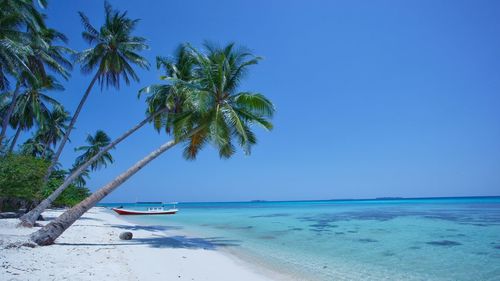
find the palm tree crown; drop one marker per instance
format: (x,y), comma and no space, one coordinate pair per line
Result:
(16,17)
(170,97)
(33,105)
(95,144)
(47,54)
(223,114)
(113,48)
(28,50)
(35,148)
(54,126)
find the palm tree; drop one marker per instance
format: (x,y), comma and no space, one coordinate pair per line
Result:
(4,104)
(32,106)
(113,50)
(21,121)
(47,135)
(34,147)
(95,144)
(44,54)
(214,112)
(53,128)
(161,100)
(80,180)
(16,17)
(179,68)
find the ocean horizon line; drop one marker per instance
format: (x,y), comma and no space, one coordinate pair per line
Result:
(319,200)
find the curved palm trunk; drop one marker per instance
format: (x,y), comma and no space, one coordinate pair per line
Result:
(49,233)
(16,136)
(6,118)
(70,127)
(44,151)
(29,219)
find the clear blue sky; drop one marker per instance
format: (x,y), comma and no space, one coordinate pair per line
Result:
(373,98)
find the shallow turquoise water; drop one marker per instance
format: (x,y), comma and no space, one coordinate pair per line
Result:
(410,239)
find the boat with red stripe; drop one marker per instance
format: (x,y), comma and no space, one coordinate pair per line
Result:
(149,211)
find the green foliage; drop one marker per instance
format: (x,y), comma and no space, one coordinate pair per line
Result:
(54,127)
(94,145)
(34,148)
(170,97)
(113,48)
(33,105)
(21,178)
(204,85)
(18,17)
(29,53)
(71,196)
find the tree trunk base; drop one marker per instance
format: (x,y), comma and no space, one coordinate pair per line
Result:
(48,234)
(26,224)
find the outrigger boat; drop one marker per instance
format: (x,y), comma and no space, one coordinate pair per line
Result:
(149,211)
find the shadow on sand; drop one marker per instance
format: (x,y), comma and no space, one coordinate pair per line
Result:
(177,241)
(152,228)
(162,240)
(51,218)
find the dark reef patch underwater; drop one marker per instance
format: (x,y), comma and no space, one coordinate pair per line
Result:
(444,243)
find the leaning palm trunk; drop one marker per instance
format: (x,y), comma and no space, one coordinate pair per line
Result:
(14,140)
(50,232)
(29,219)
(70,127)
(10,110)
(45,147)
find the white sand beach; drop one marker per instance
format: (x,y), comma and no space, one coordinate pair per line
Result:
(91,250)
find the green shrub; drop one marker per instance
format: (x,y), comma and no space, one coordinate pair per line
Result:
(21,177)
(71,196)
(21,180)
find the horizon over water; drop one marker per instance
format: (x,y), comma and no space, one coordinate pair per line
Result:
(446,238)
(309,200)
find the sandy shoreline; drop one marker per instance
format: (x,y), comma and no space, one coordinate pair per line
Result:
(91,250)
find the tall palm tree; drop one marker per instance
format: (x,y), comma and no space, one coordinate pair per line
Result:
(95,145)
(47,135)
(22,121)
(81,179)
(77,173)
(171,96)
(33,106)
(16,17)
(34,147)
(53,128)
(44,54)
(4,105)
(162,99)
(113,50)
(214,112)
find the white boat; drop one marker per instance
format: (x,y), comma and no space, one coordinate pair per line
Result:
(148,211)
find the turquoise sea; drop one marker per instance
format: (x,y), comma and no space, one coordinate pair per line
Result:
(396,239)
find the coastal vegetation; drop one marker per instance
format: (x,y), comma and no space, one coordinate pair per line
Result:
(113,50)
(197,103)
(208,108)
(21,178)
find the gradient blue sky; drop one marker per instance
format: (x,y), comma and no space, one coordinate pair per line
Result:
(373,98)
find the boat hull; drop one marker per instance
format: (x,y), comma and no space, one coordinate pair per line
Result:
(134,212)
